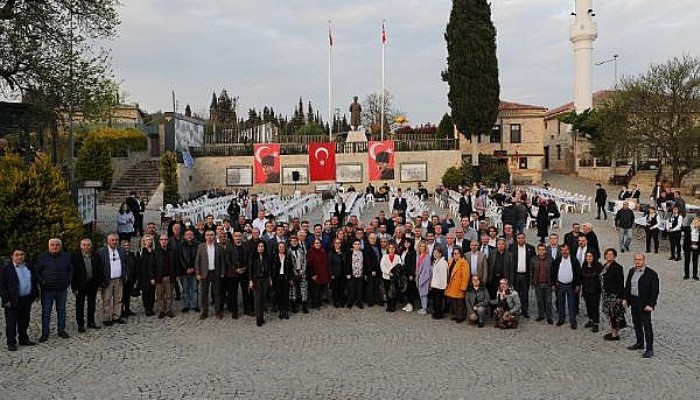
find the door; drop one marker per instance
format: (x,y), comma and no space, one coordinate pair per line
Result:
(546,157)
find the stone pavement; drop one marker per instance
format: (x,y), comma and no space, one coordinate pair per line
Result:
(353,354)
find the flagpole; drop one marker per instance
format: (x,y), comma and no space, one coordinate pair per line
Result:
(330,51)
(381,123)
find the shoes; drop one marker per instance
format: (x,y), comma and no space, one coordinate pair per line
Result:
(129,313)
(81,329)
(161,315)
(622,250)
(305,308)
(696,278)
(627,248)
(589,324)
(259,323)
(526,315)
(360,306)
(636,346)
(560,322)
(234,315)
(93,326)
(422,312)
(219,316)
(170,314)
(12,347)
(120,321)
(408,307)
(107,323)
(43,339)
(460,320)
(677,259)
(203,316)
(550,321)
(178,298)
(648,354)
(480,325)
(538,319)
(185,309)
(610,337)
(574,326)
(597,217)
(672,258)
(197,310)
(27,343)
(64,334)
(595,329)
(685,278)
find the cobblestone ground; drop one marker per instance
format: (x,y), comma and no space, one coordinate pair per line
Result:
(367,353)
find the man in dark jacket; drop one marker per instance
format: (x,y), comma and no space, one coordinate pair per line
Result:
(465,205)
(566,279)
(519,270)
(54,272)
(601,197)
(508,214)
(541,281)
(186,273)
(641,294)
(86,281)
(624,221)
(18,289)
(113,260)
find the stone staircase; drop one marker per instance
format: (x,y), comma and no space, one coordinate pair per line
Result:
(143,177)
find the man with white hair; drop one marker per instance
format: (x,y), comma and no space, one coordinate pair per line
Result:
(54,272)
(114,273)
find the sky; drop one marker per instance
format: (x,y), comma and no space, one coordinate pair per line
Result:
(271,52)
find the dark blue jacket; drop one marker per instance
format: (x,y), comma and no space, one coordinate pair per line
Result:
(54,271)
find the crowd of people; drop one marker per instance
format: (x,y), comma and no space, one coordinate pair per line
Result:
(249,264)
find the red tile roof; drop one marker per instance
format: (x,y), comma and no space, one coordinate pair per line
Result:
(510,106)
(597,98)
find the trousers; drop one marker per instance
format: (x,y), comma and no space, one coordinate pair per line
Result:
(17,320)
(641,319)
(112,300)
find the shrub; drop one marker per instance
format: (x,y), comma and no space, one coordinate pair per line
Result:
(452,178)
(168,175)
(119,141)
(94,162)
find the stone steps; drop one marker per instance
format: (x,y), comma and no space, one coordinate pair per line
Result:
(143,178)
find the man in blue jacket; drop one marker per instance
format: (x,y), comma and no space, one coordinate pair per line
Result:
(54,272)
(18,290)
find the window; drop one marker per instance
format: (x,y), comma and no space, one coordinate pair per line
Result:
(515,136)
(559,152)
(522,163)
(496,134)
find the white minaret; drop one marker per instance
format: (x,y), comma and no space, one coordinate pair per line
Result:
(582,33)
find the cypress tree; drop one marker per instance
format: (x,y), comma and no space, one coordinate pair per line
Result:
(472,69)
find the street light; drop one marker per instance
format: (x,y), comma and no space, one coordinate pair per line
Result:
(611,60)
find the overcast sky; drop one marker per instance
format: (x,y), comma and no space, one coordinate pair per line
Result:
(271,52)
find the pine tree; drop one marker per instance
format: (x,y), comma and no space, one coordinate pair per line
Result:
(446,128)
(35,206)
(94,162)
(168,175)
(472,69)
(310,114)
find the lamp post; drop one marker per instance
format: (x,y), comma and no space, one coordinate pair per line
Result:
(611,60)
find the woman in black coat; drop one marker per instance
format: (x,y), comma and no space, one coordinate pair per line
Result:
(146,263)
(336,265)
(591,289)
(613,277)
(282,272)
(542,220)
(409,263)
(258,276)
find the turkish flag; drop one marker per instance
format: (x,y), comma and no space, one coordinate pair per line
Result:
(381,160)
(322,161)
(267,163)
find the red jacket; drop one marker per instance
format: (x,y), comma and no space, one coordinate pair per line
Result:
(317,264)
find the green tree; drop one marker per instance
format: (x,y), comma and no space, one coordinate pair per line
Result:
(472,69)
(35,206)
(655,113)
(446,128)
(168,175)
(453,177)
(94,162)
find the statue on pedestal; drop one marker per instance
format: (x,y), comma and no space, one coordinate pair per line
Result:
(355,113)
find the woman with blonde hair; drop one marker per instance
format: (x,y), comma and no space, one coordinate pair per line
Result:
(146,261)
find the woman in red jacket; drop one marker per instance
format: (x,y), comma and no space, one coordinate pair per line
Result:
(318,273)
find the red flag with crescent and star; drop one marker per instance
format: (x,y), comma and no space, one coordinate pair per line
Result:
(322,161)
(266,162)
(381,160)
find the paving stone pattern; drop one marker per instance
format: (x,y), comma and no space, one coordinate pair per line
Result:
(356,354)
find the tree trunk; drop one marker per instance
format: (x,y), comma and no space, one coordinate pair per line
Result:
(475,151)
(676,174)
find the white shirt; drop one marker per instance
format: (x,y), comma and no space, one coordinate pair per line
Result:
(115,264)
(281,265)
(566,271)
(474,261)
(211,253)
(439,279)
(260,224)
(581,254)
(522,262)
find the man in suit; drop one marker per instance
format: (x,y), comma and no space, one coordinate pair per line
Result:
(499,260)
(571,238)
(601,197)
(18,289)
(541,281)
(400,203)
(113,261)
(519,270)
(566,279)
(86,280)
(208,269)
(478,262)
(465,205)
(553,250)
(641,294)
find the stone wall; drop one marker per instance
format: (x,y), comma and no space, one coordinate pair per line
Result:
(210,172)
